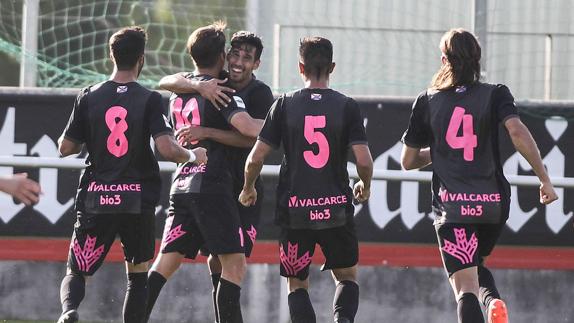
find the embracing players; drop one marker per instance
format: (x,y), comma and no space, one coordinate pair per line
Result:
(243,58)
(454,125)
(316,126)
(120,187)
(203,210)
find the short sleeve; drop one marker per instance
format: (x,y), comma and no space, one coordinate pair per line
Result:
(503,103)
(157,119)
(418,134)
(76,127)
(236,105)
(260,100)
(271,131)
(355,128)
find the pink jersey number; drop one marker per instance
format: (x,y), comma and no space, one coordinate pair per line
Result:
(320,159)
(181,113)
(116,122)
(468,141)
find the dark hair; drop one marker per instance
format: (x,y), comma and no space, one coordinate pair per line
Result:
(316,53)
(127,46)
(248,38)
(206,43)
(462,52)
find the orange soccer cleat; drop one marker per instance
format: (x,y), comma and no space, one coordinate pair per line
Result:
(497,312)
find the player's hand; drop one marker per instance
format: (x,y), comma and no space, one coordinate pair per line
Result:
(200,155)
(23,189)
(188,134)
(248,196)
(213,91)
(547,193)
(360,192)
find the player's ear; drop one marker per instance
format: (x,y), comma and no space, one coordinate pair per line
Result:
(301,68)
(332,68)
(256,64)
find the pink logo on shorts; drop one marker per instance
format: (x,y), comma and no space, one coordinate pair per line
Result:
(290,262)
(464,249)
(252,233)
(172,235)
(87,257)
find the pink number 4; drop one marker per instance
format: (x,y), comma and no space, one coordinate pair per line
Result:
(468,141)
(320,159)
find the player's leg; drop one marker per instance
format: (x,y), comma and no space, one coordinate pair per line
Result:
(458,244)
(233,267)
(218,221)
(138,240)
(92,238)
(496,309)
(341,249)
(181,238)
(296,248)
(214,266)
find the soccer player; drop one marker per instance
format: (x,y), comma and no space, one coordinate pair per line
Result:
(21,187)
(120,187)
(203,209)
(454,125)
(316,126)
(243,58)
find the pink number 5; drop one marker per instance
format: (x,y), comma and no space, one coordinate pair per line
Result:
(468,140)
(315,137)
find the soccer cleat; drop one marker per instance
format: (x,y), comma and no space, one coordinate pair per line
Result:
(70,316)
(497,312)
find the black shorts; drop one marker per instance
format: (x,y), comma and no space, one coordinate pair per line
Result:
(249,217)
(195,220)
(465,245)
(297,246)
(94,234)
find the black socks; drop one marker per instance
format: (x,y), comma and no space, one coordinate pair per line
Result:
(346,302)
(136,298)
(300,307)
(487,289)
(72,292)
(228,304)
(155,282)
(469,309)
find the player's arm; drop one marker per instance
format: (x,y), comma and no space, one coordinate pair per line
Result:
(246,125)
(67,147)
(364,165)
(416,139)
(526,146)
(253,166)
(25,190)
(414,158)
(172,151)
(226,137)
(211,90)
(74,135)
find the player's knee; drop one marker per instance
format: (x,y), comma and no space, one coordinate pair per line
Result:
(137,268)
(294,283)
(341,274)
(167,263)
(214,264)
(464,281)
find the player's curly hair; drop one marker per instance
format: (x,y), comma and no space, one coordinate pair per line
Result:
(248,38)
(462,67)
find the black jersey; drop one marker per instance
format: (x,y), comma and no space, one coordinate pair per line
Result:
(461,127)
(316,128)
(215,176)
(258,99)
(116,121)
